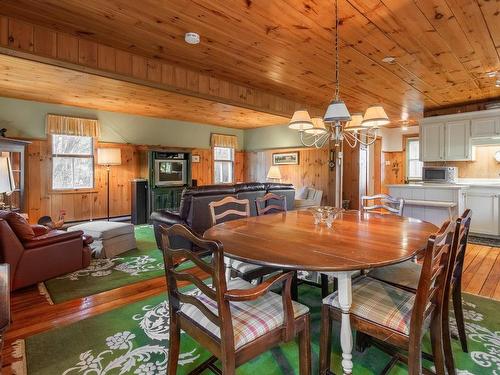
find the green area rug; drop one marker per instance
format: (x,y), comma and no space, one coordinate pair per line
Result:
(143,263)
(134,340)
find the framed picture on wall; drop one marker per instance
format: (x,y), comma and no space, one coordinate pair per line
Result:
(286,158)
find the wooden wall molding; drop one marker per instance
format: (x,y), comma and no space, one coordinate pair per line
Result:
(29,41)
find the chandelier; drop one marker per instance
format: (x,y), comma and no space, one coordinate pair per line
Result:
(338,124)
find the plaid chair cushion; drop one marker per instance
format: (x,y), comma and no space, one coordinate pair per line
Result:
(379,302)
(405,274)
(251,319)
(240,266)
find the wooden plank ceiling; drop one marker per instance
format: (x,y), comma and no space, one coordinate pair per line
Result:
(25,79)
(442,49)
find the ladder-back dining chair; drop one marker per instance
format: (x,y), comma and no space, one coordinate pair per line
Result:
(230,208)
(270,203)
(406,275)
(394,315)
(236,321)
(381,203)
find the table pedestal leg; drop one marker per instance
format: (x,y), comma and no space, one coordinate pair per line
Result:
(345,301)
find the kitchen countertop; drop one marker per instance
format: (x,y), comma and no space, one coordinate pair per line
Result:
(461,184)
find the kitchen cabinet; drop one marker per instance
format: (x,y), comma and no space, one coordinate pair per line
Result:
(485,127)
(450,137)
(457,140)
(484,203)
(442,141)
(432,142)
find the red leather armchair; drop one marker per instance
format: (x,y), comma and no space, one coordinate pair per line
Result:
(47,254)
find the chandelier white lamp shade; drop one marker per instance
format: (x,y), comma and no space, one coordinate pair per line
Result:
(355,123)
(375,116)
(318,128)
(301,121)
(337,111)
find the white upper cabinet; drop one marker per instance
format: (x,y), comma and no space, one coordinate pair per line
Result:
(457,140)
(432,142)
(485,127)
(449,137)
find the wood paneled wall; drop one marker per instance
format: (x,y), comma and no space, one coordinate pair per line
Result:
(84,205)
(484,164)
(312,170)
(41,200)
(393,169)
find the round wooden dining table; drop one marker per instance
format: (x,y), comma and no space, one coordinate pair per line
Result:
(356,241)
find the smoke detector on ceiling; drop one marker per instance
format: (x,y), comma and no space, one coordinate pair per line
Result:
(192,38)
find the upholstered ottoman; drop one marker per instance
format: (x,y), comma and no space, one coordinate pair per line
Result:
(110,238)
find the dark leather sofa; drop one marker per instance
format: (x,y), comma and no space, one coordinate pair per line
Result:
(194,211)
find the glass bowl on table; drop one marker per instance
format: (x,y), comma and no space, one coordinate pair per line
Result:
(325,214)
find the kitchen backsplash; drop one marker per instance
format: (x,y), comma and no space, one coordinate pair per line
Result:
(484,164)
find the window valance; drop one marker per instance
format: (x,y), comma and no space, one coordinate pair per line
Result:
(223,140)
(56,124)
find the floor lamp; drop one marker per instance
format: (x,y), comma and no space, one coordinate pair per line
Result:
(109,157)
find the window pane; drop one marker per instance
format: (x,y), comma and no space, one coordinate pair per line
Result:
(83,170)
(72,173)
(223,172)
(71,145)
(413,149)
(223,153)
(415,169)
(62,173)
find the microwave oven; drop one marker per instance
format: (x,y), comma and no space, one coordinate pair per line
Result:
(170,172)
(448,175)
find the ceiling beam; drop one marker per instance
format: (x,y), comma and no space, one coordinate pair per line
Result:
(36,43)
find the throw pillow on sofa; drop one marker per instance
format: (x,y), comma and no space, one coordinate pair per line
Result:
(19,225)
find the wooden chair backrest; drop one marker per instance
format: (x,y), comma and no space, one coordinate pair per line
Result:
(460,245)
(433,277)
(382,202)
(215,269)
(270,203)
(222,216)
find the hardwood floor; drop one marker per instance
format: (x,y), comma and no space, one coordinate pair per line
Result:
(31,313)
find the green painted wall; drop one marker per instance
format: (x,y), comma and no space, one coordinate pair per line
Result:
(26,119)
(271,137)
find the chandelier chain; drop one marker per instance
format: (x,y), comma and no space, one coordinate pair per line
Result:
(337,54)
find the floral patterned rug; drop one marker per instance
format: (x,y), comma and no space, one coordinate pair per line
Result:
(134,340)
(143,263)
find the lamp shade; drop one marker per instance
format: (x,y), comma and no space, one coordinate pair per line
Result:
(7,184)
(109,156)
(318,126)
(375,116)
(355,123)
(300,120)
(274,173)
(337,111)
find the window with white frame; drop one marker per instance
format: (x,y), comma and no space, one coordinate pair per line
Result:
(413,163)
(72,162)
(223,165)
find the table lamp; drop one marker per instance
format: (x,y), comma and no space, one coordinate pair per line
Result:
(7,184)
(109,157)
(274,174)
